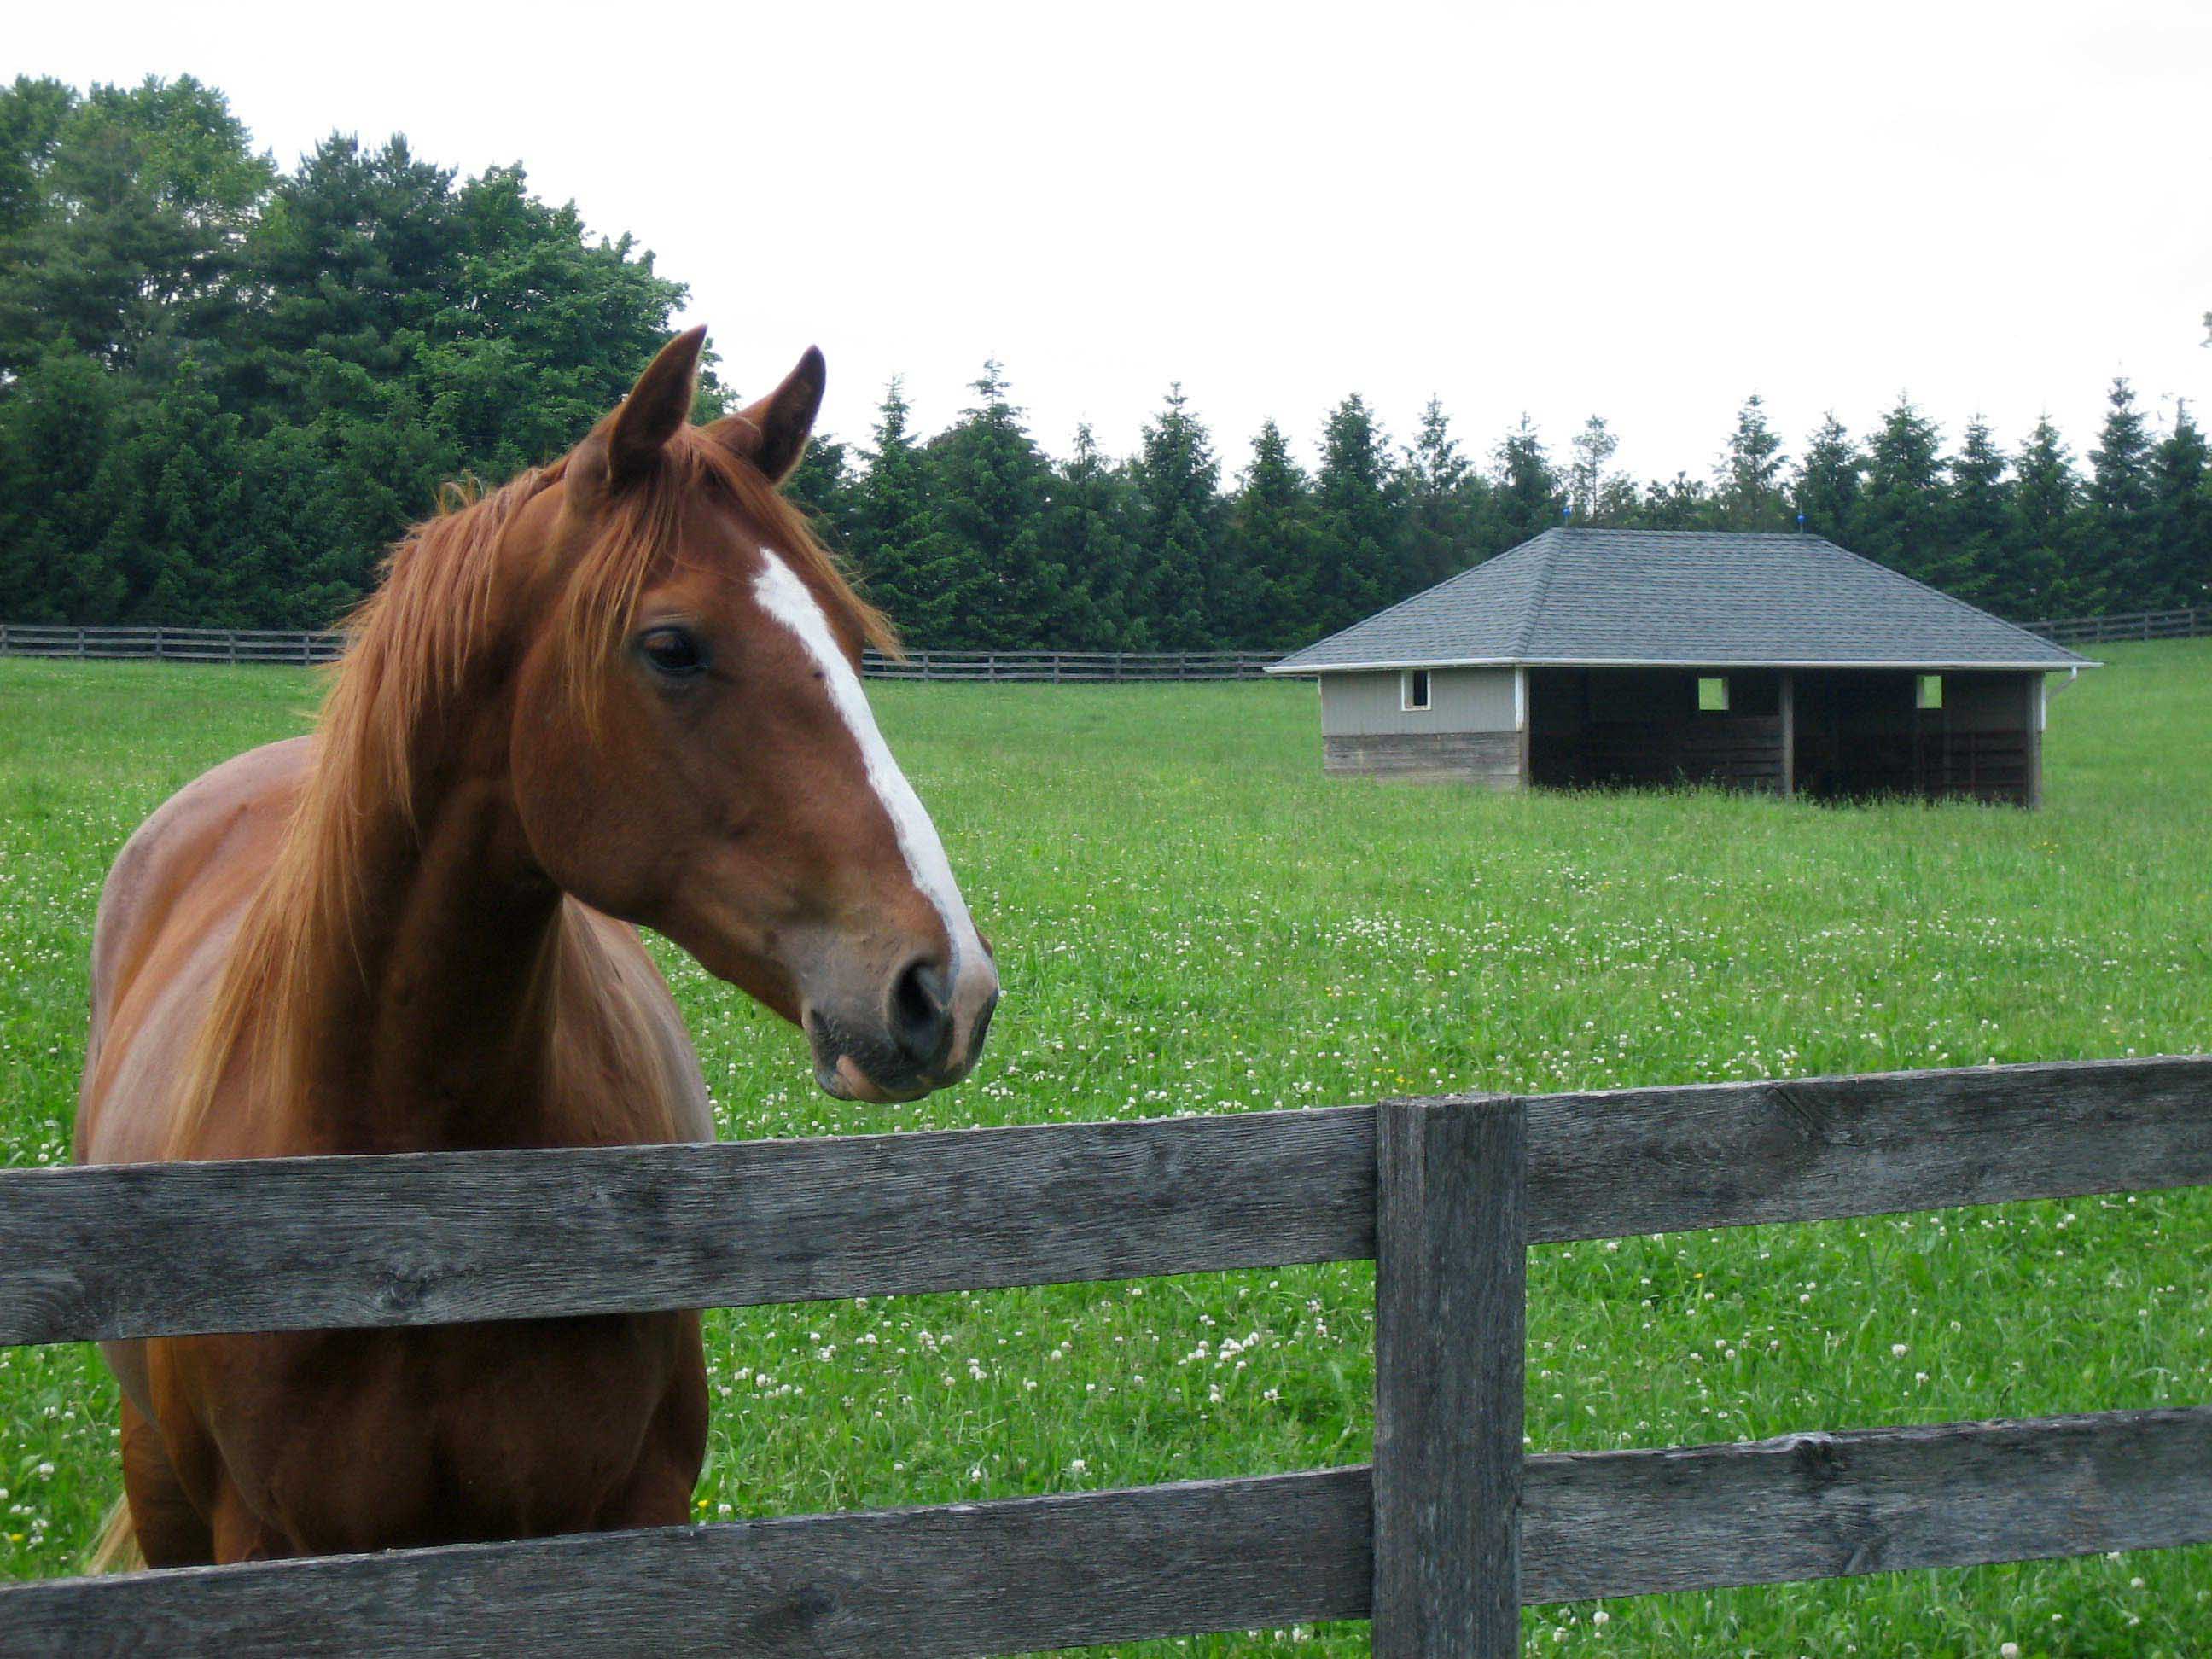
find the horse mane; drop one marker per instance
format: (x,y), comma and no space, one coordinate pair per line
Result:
(416,647)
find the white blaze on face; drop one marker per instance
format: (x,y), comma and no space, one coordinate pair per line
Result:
(786,598)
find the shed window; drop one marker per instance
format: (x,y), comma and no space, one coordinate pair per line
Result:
(1712,695)
(1931,693)
(1413,689)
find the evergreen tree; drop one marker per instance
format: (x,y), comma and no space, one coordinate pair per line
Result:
(1681,502)
(1445,499)
(32,115)
(178,478)
(1180,519)
(823,487)
(1748,481)
(59,421)
(1590,487)
(1976,520)
(1360,518)
(1826,491)
(1529,499)
(357,254)
(2182,507)
(2046,516)
(2122,540)
(911,567)
(992,484)
(1091,530)
(1900,512)
(1274,536)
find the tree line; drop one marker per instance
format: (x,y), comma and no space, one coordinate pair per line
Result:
(225,389)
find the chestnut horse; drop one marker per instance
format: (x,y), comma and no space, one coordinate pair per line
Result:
(620,691)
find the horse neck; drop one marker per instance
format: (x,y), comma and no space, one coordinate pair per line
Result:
(428,994)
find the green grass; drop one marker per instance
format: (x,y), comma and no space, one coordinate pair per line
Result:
(1190,918)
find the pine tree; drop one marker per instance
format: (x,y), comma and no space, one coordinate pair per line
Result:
(1444,501)
(1681,502)
(2123,531)
(1360,518)
(823,487)
(991,485)
(1899,518)
(1091,529)
(2182,507)
(1748,480)
(1529,498)
(1598,496)
(1977,516)
(1177,482)
(2045,520)
(1827,490)
(59,422)
(1272,532)
(910,567)
(179,479)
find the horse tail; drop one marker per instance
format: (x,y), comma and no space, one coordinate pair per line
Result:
(118,1549)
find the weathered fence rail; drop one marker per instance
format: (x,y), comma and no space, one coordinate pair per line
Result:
(2183,625)
(1440,1542)
(267,645)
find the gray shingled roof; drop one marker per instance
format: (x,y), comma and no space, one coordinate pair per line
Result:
(1690,597)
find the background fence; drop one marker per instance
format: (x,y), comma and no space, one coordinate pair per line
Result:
(276,645)
(271,644)
(2131,625)
(1440,1540)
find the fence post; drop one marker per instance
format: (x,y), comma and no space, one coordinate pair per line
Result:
(1450,1273)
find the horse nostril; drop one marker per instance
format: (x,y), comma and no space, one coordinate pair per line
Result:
(921,1024)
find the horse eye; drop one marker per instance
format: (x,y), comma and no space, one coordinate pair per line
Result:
(673,652)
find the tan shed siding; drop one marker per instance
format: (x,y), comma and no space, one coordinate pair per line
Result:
(1460,700)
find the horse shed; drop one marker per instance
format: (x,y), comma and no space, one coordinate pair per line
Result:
(1613,658)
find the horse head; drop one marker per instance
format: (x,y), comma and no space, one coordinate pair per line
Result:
(692,749)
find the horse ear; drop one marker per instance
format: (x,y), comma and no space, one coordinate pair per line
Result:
(625,445)
(772,433)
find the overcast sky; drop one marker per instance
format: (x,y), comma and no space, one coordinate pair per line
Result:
(1642,210)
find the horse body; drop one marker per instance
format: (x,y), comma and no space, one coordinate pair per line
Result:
(323,1442)
(416,931)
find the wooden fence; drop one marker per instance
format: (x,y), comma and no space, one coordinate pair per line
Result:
(269,645)
(2131,625)
(273,645)
(1440,1540)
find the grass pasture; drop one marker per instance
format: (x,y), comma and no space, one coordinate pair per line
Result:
(1190,918)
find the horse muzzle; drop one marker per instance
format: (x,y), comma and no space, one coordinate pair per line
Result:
(924,1031)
